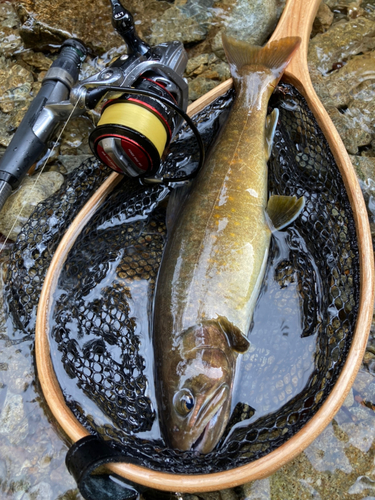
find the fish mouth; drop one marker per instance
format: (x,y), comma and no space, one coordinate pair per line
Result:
(211,432)
(199,444)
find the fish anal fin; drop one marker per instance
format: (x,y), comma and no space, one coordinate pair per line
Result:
(234,335)
(271,124)
(283,210)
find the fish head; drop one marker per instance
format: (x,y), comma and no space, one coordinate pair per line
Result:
(201,401)
(197,398)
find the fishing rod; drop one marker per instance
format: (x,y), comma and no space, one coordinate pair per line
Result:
(143,95)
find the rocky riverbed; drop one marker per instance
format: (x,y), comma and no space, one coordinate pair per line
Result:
(340,463)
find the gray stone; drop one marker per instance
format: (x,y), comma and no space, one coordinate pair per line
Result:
(13,421)
(175,25)
(200,10)
(252,21)
(23,201)
(71,162)
(349,400)
(41,491)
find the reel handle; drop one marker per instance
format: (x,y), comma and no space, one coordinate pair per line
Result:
(123,22)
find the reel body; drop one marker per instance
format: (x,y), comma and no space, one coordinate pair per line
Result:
(135,130)
(145,99)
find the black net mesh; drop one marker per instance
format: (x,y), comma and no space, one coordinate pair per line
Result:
(101,345)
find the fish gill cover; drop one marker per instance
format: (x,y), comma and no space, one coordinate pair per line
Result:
(100,345)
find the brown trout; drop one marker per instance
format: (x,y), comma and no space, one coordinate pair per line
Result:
(214,261)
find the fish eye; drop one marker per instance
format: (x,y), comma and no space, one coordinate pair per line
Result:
(184,402)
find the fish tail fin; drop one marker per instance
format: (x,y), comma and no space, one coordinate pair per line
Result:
(274,56)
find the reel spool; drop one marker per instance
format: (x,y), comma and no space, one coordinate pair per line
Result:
(134,130)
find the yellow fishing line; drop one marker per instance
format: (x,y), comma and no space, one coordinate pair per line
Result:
(137,118)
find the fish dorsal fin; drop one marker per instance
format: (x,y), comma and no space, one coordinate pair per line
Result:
(275,55)
(234,335)
(176,199)
(283,210)
(271,124)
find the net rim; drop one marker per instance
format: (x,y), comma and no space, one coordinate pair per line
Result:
(268,464)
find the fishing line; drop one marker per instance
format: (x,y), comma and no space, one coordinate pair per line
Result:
(39,174)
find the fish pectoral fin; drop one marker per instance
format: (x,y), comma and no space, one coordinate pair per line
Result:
(271,123)
(234,335)
(283,210)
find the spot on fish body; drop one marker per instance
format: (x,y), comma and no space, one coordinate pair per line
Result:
(252,192)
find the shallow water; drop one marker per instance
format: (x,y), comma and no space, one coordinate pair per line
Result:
(340,462)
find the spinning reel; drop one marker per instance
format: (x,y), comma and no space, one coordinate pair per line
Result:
(144,98)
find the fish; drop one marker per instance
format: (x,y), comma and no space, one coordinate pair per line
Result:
(215,257)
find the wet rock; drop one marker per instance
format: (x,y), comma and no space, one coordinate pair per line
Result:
(349,401)
(200,86)
(360,436)
(217,45)
(36,59)
(196,65)
(21,374)
(10,40)
(13,421)
(340,42)
(257,490)
(347,91)
(209,72)
(328,452)
(323,20)
(176,25)
(46,23)
(71,162)
(25,199)
(200,10)
(74,140)
(41,491)
(352,82)
(362,485)
(252,21)
(16,87)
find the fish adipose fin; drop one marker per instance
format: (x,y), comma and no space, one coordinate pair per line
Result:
(283,210)
(234,335)
(274,56)
(271,123)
